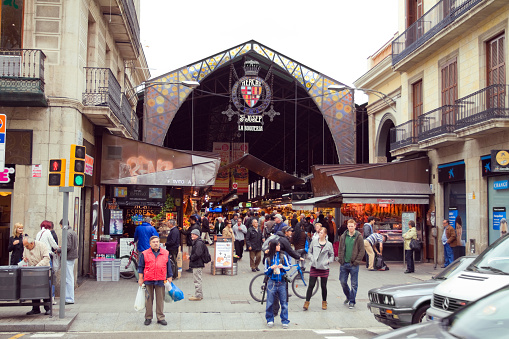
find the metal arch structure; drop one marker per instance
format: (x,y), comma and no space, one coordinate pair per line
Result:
(162,102)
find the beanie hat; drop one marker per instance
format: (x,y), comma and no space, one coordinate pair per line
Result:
(195,231)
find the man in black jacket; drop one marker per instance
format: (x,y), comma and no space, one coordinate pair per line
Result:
(189,241)
(205,230)
(254,241)
(173,242)
(196,264)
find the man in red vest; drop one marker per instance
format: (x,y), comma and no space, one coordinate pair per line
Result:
(154,267)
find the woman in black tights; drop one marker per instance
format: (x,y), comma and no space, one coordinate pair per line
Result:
(321,254)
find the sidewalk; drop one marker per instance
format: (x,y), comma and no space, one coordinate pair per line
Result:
(227,305)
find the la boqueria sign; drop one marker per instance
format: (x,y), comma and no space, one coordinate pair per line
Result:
(131,162)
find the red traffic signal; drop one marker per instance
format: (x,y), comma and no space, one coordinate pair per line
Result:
(56,176)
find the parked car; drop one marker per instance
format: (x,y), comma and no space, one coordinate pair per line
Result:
(484,318)
(403,305)
(488,272)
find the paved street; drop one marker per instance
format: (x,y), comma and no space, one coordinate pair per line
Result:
(107,307)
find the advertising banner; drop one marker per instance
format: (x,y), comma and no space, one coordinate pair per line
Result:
(223,253)
(453,214)
(240,174)
(222,180)
(499,213)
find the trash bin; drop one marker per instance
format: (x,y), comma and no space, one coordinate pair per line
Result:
(34,282)
(9,283)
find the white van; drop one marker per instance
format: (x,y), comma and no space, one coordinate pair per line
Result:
(487,273)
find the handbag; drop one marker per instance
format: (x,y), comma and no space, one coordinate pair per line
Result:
(415,245)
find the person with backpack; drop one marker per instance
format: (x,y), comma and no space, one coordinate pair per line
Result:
(199,252)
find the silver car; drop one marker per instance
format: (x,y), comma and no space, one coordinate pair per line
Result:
(403,305)
(486,318)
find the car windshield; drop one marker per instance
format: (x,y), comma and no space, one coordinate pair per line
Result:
(486,318)
(456,266)
(494,260)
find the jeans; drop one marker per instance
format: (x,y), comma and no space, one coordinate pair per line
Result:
(345,270)
(448,254)
(69,282)
(409,257)
(274,287)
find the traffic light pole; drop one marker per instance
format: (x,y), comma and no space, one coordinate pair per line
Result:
(63,266)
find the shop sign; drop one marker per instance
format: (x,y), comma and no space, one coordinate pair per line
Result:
(385,201)
(486,165)
(453,214)
(451,172)
(8,176)
(248,204)
(89,165)
(36,171)
(501,185)
(499,213)
(500,160)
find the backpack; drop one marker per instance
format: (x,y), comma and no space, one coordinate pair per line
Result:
(206,258)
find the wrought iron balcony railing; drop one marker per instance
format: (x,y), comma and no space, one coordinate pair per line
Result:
(132,19)
(428,25)
(437,122)
(22,74)
(103,89)
(488,103)
(404,135)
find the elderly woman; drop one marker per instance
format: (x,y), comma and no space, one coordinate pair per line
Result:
(45,236)
(409,254)
(228,231)
(16,244)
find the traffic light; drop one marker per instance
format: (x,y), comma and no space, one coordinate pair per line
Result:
(56,176)
(77,166)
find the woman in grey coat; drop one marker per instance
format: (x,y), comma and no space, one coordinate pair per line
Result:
(321,254)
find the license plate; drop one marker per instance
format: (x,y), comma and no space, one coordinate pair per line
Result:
(375,310)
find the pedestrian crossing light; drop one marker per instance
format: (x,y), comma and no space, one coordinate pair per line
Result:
(56,176)
(77,166)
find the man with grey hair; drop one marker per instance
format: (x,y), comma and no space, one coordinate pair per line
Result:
(143,233)
(36,254)
(173,242)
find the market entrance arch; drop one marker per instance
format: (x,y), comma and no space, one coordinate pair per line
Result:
(314,126)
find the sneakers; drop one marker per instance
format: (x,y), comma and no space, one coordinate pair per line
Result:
(270,324)
(195,298)
(285,326)
(351,305)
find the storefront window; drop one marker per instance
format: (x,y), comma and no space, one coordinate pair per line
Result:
(455,205)
(498,205)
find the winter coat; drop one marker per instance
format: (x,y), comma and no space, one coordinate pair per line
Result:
(357,251)
(254,239)
(187,233)
(218,227)
(408,236)
(299,236)
(367,230)
(17,250)
(286,247)
(205,225)
(199,248)
(228,233)
(173,240)
(450,233)
(267,230)
(320,258)
(142,235)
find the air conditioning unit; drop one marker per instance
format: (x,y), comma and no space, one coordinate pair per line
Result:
(10,65)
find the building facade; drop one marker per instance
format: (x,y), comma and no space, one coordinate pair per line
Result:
(69,69)
(450,58)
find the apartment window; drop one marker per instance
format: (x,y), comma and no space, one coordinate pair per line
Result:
(449,78)
(417,104)
(414,11)
(11,24)
(496,71)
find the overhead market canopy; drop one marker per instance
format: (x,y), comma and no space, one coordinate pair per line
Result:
(402,182)
(131,162)
(263,169)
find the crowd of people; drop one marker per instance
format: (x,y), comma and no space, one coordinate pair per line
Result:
(43,250)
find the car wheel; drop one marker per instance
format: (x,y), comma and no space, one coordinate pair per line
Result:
(420,314)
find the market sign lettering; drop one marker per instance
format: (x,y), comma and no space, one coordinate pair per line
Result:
(501,185)
(385,201)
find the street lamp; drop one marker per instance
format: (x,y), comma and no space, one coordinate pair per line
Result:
(383,96)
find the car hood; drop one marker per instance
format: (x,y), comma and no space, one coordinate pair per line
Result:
(470,285)
(408,289)
(432,329)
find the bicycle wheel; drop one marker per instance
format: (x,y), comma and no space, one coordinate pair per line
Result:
(130,273)
(300,285)
(257,287)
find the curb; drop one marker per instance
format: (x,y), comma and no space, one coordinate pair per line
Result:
(37,324)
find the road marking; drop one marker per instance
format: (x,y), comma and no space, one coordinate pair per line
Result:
(19,335)
(343,337)
(328,331)
(47,335)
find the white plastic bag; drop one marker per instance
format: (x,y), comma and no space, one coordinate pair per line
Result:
(167,289)
(139,303)
(56,262)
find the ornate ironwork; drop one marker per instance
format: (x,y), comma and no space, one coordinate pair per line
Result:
(271,113)
(403,135)
(229,113)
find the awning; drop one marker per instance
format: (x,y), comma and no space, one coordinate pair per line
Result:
(374,191)
(263,169)
(131,162)
(311,203)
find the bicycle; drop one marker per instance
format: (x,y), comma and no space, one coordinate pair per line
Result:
(132,264)
(299,283)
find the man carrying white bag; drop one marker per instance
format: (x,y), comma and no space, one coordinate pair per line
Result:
(154,269)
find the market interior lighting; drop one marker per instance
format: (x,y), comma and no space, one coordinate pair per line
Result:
(383,96)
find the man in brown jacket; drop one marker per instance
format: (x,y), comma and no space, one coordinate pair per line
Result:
(450,233)
(351,251)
